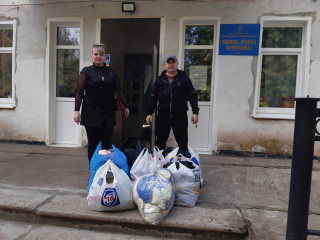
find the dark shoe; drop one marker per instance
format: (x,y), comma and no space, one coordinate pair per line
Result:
(187,154)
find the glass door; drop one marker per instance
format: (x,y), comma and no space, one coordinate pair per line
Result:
(67,72)
(198,50)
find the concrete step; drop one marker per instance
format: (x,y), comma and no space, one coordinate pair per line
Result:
(61,208)
(25,231)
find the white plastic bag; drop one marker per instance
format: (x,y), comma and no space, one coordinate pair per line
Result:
(186,177)
(171,155)
(157,160)
(111,189)
(154,195)
(140,166)
(194,158)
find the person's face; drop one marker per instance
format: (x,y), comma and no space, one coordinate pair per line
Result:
(98,57)
(171,65)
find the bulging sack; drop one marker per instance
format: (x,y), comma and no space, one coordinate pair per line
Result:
(154,195)
(194,158)
(186,175)
(111,189)
(97,160)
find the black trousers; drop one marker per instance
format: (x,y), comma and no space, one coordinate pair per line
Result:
(179,124)
(96,135)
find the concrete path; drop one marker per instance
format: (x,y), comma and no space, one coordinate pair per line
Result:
(44,189)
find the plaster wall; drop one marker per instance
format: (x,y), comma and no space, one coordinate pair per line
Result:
(234,86)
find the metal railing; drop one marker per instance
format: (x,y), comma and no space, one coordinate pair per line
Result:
(301,171)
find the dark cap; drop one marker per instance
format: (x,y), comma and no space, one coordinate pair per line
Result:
(171,56)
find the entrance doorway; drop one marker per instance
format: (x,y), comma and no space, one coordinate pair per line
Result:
(64,60)
(133,47)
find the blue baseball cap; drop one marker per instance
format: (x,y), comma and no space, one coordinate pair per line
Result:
(171,56)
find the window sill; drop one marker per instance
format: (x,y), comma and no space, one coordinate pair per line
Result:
(4,103)
(286,114)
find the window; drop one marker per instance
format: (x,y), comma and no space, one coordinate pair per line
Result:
(7,64)
(198,48)
(68,56)
(282,66)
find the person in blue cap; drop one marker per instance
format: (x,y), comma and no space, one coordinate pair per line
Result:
(170,95)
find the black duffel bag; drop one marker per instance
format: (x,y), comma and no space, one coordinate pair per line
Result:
(132,153)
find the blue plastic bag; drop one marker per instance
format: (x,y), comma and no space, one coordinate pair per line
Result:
(97,160)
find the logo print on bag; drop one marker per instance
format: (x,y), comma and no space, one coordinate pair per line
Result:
(110,198)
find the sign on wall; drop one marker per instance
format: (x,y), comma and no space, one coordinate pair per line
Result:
(108,59)
(239,39)
(198,75)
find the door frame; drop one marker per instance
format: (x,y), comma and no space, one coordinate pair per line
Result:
(52,24)
(160,50)
(213,129)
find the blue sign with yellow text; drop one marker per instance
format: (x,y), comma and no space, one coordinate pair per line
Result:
(239,39)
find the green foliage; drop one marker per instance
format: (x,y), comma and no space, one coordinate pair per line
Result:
(5,75)
(67,72)
(284,37)
(67,61)
(200,57)
(6,36)
(278,79)
(68,36)
(279,72)
(199,35)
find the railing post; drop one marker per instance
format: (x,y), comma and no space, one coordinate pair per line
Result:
(301,171)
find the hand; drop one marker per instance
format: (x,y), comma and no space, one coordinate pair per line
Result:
(149,119)
(76,117)
(126,113)
(194,118)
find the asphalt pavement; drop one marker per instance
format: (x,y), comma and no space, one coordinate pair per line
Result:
(43,189)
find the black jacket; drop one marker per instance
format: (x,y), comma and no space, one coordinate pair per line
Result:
(95,90)
(174,97)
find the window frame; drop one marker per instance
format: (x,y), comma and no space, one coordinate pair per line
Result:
(65,47)
(200,22)
(10,102)
(302,77)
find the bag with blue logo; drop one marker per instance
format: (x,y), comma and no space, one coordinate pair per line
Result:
(111,189)
(192,156)
(97,160)
(154,195)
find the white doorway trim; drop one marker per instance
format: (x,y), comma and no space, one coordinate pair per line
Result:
(50,65)
(98,30)
(212,144)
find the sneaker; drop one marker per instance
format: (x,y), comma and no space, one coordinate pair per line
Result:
(187,154)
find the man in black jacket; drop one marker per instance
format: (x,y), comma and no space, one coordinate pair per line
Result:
(170,95)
